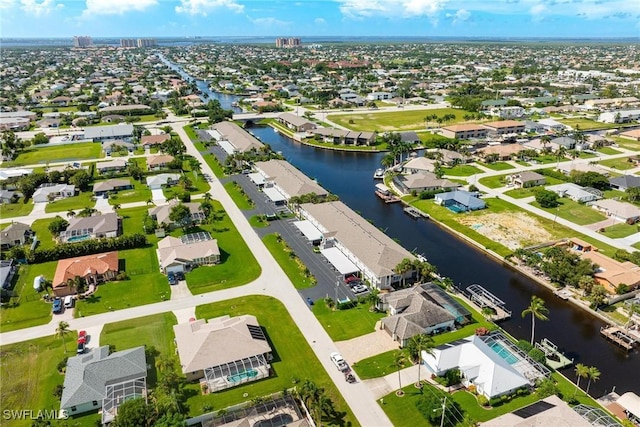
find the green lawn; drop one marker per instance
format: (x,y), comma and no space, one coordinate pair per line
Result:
(626,143)
(41,228)
(583,124)
(393,121)
(238,196)
(293,362)
(293,267)
(11,210)
(622,163)
(198,186)
(521,193)
(575,212)
(145,285)
(498,166)
(132,221)
(495,181)
(346,324)
(342,147)
(379,365)
(620,230)
(81,201)
(62,153)
(215,166)
(139,193)
(608,150)
(29,375)
(27,308)
(238,265)
(461,170)
(258,221)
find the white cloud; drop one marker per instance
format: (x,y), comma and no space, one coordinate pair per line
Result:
(319,21)
(116,7)
(6,4)
(37,8)
(391,8)
(202,7)
(270,22)
(460,16)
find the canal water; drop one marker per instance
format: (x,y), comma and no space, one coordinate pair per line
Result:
(350,176)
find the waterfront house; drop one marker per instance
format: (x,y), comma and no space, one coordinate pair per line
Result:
(423,181)
(464,131)
(296,123)
(419,165)
(505,127)
(233,139)
(283,181)
(459,201)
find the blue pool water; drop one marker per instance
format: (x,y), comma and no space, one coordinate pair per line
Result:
(242,375)
(503,352)
(456,209)
(78,238)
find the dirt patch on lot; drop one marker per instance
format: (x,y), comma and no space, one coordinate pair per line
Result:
(510,229)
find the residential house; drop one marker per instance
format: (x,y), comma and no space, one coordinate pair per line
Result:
(94,269)
(48,192)
(153,140)
(155,163)
(423,309)
(552,125)
(502,152)
(564,141)
(575,192)
(156,182)
(102,381)
(352,244)
(410,137)
(98,226)
(296,123)
(464,131)
(223,352)
(9,196)
(15,234)
(233,139)
(115,165)
(549,411)
(105,133)
(419,165)
(186,252)
(359,138)
(619,211)
(507,112)
(8,269)
(619,116)
(526,179)
(283,181)
(114,185)
(161,213)
(331,135)
(624,182)
(379,96)
(452,158)
(459,201)
(117,145)
(423,181)
(505,127)
(568,167)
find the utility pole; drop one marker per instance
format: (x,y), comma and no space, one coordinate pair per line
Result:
(444,408)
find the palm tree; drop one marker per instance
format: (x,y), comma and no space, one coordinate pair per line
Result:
(537,310)
(373,298)
(61,331)
(71,213)
(593,375)
(116,207)
(417,344)
(403,267)
(398,363)
(582,371)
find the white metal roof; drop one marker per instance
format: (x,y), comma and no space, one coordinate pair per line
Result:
(309,230)
(339,260)
(226,146)
(631,402)
(257,178)
(273,194)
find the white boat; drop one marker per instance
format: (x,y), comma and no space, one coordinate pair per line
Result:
(379,174)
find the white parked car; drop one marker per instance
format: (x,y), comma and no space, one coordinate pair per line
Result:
(359,289)
(340,363)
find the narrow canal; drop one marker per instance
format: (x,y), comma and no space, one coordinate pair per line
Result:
(350,176)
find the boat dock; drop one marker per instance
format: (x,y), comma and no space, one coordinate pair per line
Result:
(563,294)
(415,213)
(618,336)
(555,358)
(486,299)
(385,194)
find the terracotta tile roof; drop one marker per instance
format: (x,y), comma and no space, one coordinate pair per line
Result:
(84,266)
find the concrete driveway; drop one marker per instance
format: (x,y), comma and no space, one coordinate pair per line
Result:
(158,197)
(364,346)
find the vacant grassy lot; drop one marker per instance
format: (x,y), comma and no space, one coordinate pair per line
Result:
(626,143)
(295,270)
(12,210)
(238,196)
(62,153)
(608,150)
(139,193)
(41,228)
(495,181)
(622,163)
(575,212)
(346,324)
(583,124)
(393,121)
(293,362)
(27,308)
(498,166)
(620,230)
(461,170)
(81,201)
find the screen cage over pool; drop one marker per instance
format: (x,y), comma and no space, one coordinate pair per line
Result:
(231,374)
(517,358)
(119,393)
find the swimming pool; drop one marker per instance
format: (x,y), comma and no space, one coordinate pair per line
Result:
(503,352)
(74,239)
(456,208)
(251,373)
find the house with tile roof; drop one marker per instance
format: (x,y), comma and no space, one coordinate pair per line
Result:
(459,201)
(98,226)
(15,234)
(186,252)
(424,181)
(98,380)
(94,269)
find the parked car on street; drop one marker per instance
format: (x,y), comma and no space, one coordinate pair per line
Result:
(309,301)
(340,363)
(81,348)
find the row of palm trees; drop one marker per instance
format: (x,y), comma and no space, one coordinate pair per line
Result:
(424,269)
(591,373)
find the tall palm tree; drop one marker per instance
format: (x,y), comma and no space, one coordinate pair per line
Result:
(61,331)
(417,344)
(593,375)
(71,213)
(537,310)
(403,267)
(398,363)
(582,371)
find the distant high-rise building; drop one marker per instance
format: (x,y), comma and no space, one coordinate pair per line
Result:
(137,42)
(288,42)
(82,41)
(128,43)
(146,42)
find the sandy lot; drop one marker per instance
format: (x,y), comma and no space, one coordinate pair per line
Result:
(511,229)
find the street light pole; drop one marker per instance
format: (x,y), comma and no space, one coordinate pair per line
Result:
(444,407)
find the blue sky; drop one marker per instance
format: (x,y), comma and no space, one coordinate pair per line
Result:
(466,18)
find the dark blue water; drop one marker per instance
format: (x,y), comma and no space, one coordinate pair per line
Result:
(349,175)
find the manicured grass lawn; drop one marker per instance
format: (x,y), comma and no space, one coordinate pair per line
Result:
(145,285)
(139,193)
(238,265)
(258,221)
(498,166)
(608,150)
(11,210)
(496,181)
(429,139)
(461,170)
(81,201)
(198,185)
(346,324)
(293,267)
(27,308)
(379,365)
(575,212)
(151,331)
(29,375)
(620,230)
(390,121)
(546,159)
(293,362)
(626,143)
(41,228)
(521,193)
(62,153)
(343,147)
(132,221)
(586,124)
(622,163)
(238,196)
(215,166)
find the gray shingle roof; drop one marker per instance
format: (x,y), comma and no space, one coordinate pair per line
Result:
(626,181)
